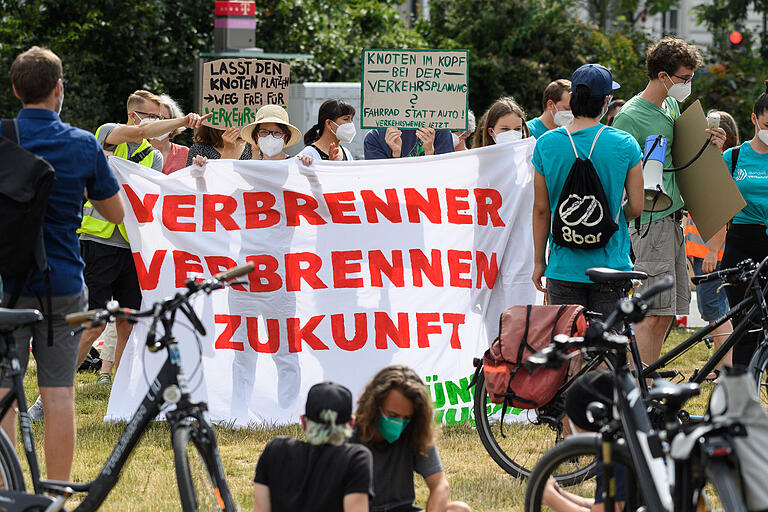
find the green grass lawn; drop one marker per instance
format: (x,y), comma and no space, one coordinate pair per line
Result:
(148,481)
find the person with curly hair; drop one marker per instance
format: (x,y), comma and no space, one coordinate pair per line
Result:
(394,420)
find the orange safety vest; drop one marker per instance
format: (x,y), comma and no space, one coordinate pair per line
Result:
(694,244)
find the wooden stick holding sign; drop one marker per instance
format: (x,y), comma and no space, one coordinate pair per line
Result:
(411,89)
(234,89)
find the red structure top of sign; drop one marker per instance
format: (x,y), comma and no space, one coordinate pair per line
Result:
(231,8)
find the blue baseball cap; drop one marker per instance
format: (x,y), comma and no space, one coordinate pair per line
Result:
(596,77)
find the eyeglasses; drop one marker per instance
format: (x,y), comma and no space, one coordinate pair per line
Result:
(63,84)
(151,115)
(684,79)
(275,133)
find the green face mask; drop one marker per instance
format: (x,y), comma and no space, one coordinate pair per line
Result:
(391,428)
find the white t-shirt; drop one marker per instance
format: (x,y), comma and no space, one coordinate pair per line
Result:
(314,153)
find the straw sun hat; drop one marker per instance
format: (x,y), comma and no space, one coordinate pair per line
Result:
(271,114)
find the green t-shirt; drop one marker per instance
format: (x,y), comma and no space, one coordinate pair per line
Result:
(536,127)
(641,118)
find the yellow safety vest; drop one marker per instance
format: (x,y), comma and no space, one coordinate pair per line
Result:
(93,223)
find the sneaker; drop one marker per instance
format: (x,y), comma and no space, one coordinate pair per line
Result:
(104,378)
(36,411)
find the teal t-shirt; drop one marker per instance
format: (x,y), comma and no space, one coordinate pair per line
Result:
(641,118)
(615,153)
(751,176)
(536,127)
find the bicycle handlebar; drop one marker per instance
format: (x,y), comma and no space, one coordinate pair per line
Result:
(598,334)
(101,316)
(729,275)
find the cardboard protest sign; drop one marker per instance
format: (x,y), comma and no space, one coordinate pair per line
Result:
(234,89)
(415,89)
(711,196)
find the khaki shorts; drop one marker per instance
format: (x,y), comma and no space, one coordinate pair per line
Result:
(661,253)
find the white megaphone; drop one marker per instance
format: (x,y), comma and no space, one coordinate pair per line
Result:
(656,198)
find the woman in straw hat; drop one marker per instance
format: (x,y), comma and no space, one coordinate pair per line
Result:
(269,134)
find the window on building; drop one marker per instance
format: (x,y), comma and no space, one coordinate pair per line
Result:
(669,22)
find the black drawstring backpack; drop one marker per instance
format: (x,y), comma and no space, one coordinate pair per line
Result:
(582,217)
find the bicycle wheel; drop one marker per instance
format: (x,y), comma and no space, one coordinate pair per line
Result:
(11,475)
(517,443)
(199,473)
(576,450)
(759,368)
(723,493)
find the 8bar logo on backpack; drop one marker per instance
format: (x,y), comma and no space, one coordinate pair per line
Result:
(581,219)
(578,211)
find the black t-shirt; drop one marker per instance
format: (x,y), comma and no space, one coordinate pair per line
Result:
(393,468)
(307,477)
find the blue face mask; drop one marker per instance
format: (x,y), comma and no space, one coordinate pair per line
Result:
(391,428)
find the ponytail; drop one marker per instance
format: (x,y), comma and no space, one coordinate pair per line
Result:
(312,135)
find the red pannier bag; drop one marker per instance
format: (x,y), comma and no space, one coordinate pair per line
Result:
(524,330)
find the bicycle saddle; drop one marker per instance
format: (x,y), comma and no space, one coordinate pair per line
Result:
(13,318)
(674,394)
(608,275)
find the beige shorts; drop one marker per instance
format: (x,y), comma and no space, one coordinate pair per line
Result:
(661,253)
(109,336)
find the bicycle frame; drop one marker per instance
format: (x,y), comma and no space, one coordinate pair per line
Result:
(170,375)
(756,304)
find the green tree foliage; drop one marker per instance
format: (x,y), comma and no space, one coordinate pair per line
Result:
(110,48)
(517,47)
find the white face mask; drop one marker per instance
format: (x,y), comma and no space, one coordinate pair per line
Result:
(508,136)
(271,145)
(763,136)
(148,120)
(679,91)
(562,117)
(345,132)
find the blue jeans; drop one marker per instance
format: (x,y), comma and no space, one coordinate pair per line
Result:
(712,304)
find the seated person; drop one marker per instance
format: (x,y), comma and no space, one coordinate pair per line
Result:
(322,474)
(394,420)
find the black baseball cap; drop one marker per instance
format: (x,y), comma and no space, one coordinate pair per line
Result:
(596,77)
(331,396)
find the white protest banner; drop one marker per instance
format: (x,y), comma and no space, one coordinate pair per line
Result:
(415,89)
(234,89)
(359,265)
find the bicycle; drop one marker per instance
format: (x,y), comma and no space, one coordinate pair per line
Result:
(197,462)
(543,428)
(702,455)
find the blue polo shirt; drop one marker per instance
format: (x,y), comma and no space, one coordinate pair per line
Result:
(79,164)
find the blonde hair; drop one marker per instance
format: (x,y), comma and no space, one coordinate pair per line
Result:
(174,110)
(327,433)
(138,98)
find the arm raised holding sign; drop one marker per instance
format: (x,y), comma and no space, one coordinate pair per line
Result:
(149,125)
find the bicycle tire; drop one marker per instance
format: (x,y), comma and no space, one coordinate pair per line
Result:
(11,474)
(199,473)
(524,442)
(729,493)
(575,447)
(758,366)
